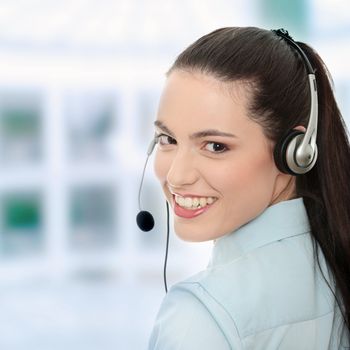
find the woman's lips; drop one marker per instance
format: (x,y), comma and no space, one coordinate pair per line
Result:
(189,213)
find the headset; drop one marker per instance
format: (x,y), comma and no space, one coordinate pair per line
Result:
(295,153)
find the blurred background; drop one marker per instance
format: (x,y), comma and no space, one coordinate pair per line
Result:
(79,86)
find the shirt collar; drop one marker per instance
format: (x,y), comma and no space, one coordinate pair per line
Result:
(278,221)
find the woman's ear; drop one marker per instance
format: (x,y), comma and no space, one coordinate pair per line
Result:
(300,127)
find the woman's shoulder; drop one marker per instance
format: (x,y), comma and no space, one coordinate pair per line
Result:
(260,295)
(264,289)
(185,322)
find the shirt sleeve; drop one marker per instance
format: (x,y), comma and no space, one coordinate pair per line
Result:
(184,323)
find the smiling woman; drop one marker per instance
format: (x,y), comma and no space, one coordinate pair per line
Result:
(240,125)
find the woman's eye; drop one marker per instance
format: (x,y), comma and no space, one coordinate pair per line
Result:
(166,140)
(216,147)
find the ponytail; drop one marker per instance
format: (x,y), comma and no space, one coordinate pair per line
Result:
(326,188)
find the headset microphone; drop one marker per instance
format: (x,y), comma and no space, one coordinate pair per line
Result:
(144,219)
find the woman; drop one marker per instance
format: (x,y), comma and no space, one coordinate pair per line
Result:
(279,274)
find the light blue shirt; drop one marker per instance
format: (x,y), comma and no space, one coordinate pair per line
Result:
(261,290)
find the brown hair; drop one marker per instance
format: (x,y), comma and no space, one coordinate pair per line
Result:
(280,100)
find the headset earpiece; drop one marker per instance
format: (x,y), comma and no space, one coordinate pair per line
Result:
(281,151)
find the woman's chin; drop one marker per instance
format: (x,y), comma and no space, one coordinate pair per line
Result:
(188,234)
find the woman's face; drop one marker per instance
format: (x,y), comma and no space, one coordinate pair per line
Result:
(214,164)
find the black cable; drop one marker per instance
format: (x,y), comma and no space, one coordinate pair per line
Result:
(167,245)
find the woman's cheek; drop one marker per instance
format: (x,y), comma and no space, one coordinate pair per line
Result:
(161,166)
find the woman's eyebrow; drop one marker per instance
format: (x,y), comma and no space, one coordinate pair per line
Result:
(210,132)
(162,126)
(196,135)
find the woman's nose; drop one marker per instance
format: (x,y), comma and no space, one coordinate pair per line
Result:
(182,170)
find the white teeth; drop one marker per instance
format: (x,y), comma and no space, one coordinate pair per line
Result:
(203,202)
(180,200)
(210,200)
(188,202)
(193,203)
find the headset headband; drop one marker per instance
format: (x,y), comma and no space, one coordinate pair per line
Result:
(285,35)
